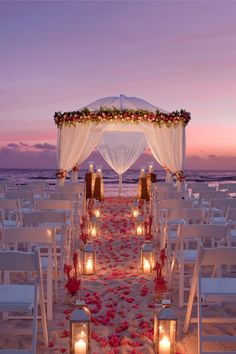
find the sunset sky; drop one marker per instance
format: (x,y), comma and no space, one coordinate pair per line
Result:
(63,55)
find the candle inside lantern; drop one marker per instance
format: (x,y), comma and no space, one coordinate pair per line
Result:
(80,347)
(139,230)
(135,213)
(99,171)
(142,172)
(164,346)
(89,266)
(146,266)
(90,167)
(93,231)
(97,213)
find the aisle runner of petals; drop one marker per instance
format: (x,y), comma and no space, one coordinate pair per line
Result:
(119,296)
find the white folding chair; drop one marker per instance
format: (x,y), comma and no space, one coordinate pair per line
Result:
(44,238)
(212,289)
(58,221)
(11,212)
(176,217)
(26,198)
(161,212)
(22,297)
(59,205)
(218,208)
(188,241)
(205,197)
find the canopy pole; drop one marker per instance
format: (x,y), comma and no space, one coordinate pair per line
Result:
(120,184)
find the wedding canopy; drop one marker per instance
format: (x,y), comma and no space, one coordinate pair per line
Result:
(120,128)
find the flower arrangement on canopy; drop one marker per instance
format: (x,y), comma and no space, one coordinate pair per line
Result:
(122,116)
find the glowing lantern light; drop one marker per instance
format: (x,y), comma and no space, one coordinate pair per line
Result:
(147,257)
(165,330)
(80,329)
(89,259)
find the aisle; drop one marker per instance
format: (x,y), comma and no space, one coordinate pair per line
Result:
(118,295)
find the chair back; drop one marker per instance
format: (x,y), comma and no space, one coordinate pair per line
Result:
(20,261)
(71,188)
(38,218)
(189,215)
(163,195)
(11,212)
(175,203)
(39,235)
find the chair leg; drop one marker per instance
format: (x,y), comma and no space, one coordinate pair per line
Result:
(199,306)
(43,314)
(35,320)
(181,284)
(190,304)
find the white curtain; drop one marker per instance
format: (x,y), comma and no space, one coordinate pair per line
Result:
(167,146)
(75,144)
(121,149)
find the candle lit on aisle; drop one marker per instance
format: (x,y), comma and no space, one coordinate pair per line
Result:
(146,266)
(80,347)
(164,346)
(90,167)
(94,232)
(89,266)
(135,213)
(139,230)
(97,213)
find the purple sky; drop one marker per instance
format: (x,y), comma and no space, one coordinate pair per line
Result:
(63,55)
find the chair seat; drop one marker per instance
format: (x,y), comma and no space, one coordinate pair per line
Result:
(176,222)
(190,255)
(10,223)
(233,233)
(218,286)
(16,298)
(217,220)
(172,234)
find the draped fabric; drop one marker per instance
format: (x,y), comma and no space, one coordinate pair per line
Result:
(167,146)
(120,145)
(75,144)
(121,149)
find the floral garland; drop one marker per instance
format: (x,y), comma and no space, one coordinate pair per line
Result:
(60,174)
(180,176)
(114,115)
(75,168)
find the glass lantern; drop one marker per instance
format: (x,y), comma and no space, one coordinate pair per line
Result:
(89,259)
(165,330)
(147,257)
(93,226)
(140,226)
(96,210)
(80,329)
(135,209)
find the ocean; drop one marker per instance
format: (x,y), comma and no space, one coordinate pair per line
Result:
(130,178)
